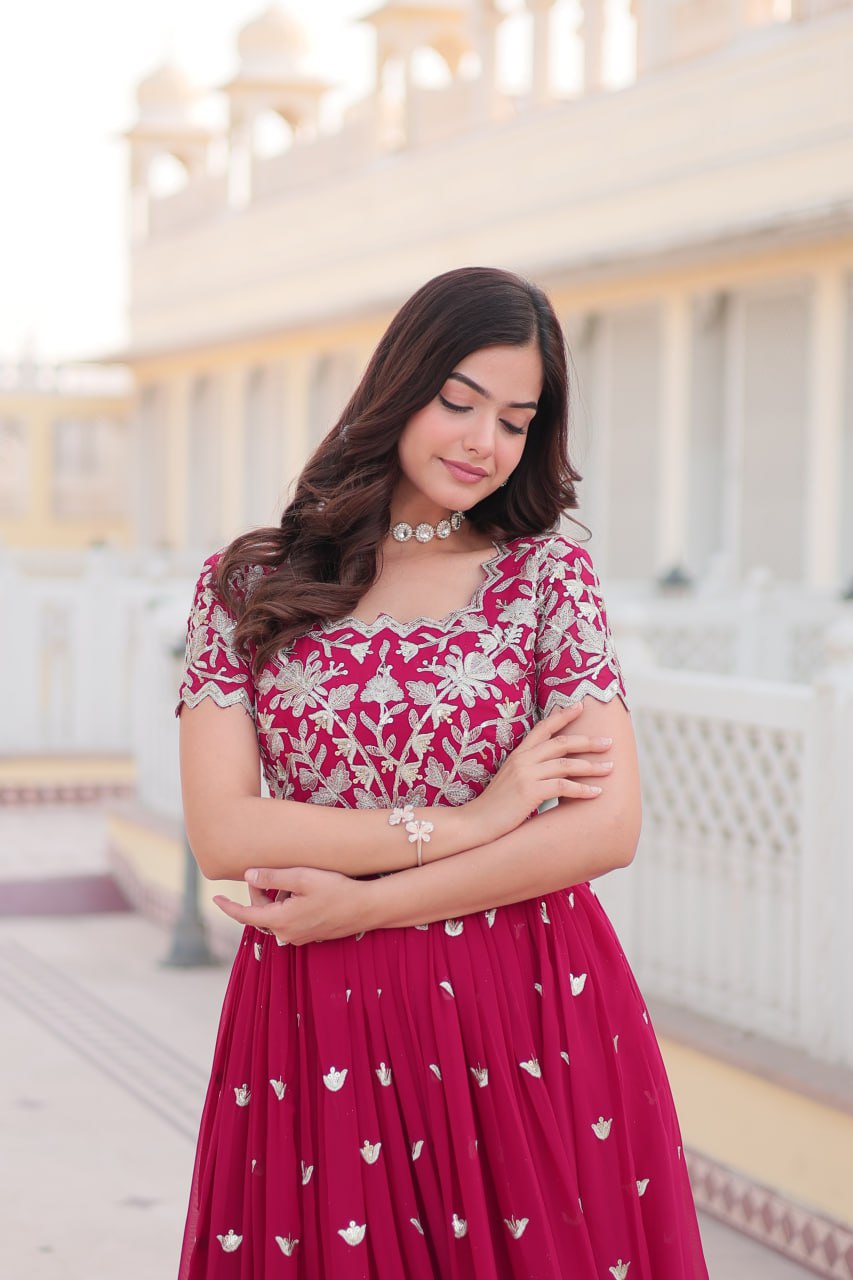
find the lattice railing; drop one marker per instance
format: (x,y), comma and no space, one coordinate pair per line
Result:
(734,904)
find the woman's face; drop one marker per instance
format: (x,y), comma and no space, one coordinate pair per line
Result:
(461,446)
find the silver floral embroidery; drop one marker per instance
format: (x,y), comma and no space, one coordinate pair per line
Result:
(642,1183)
(578,982)
(537,987)
(383,1074)
(516,1226)
(287,1244)
(460,1226)
(453,928)
(334,1080)
(416,1224)
(564,1055)
(353,1234)
(259,950)
(435,1069)
(480,1074)
(616,1043)
(278,1088)
(601,1128)
(230,1241)
(490,916)
(620,1271)
(543,911)
(306,1170)
(532,1068)
(417,1148)
(242,1095)
(369,1151)
(446,986)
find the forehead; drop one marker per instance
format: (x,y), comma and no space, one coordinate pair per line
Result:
(505,372)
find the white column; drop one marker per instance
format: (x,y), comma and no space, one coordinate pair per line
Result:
(733,427)
(176,394)
(826,424)
(541,71)
(592,29)
(487,20)
(652,19)
(240,165)
(232,396)
(671,534)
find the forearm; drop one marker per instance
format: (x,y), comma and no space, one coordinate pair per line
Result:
(252,831)
(566,845)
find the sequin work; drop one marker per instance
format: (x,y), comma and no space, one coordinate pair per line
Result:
(455,1090)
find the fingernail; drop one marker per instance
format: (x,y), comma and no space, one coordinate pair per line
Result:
(607,764)
(596,790)
(251,876)
(603,742)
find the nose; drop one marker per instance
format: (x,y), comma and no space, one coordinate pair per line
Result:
(479,436)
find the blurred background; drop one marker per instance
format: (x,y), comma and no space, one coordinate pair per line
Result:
(211,212)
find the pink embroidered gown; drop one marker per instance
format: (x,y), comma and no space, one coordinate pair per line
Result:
(473,1099)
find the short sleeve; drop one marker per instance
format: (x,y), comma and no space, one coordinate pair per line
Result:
(212,666)
(574,651)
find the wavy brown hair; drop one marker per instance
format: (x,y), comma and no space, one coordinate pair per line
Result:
(327,550)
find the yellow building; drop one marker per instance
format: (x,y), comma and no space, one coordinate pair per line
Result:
(64,481)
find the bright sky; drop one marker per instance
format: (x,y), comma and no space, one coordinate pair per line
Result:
(68,71)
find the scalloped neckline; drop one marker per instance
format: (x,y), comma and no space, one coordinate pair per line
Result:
(386,621)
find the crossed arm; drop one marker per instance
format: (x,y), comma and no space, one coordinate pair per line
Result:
(309,853)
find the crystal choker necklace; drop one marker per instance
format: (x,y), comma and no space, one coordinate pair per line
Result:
(424,532)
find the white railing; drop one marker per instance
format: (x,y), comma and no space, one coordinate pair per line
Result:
(737,905)
(761,631)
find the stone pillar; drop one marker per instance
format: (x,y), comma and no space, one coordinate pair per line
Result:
(652,18)
(487,21)
(240,165)
(176,395)
(232,401)
(826,425)
(540,89)
(592,30)
(671,535)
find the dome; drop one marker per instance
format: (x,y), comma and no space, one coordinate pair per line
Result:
(165,94)
(275,43)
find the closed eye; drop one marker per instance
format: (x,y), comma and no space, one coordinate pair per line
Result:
(454,408)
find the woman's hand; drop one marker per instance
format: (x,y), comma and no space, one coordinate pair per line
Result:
(548,764)
(311,905)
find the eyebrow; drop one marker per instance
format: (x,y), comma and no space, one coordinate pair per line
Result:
(475,386)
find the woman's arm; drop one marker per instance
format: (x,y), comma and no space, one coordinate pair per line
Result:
(566,845)
(232,828)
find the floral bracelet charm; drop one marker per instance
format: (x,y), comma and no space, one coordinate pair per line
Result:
(419,828)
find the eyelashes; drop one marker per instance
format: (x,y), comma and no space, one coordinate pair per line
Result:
(464,408)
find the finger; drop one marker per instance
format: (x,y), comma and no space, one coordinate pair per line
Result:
(577,767)
(564,744)
(274,878)
(267,916)
(258,897)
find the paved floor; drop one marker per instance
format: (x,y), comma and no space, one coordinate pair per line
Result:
(101,1082)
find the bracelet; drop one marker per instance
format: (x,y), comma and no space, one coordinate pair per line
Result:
(419,828)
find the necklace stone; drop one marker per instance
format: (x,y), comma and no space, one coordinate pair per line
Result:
(424,532)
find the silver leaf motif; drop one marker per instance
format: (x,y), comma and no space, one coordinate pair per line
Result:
(616,1043)
(369,1151)
(460,1226)
(490,916)
(307,1170)
(543,911)
(383,1074)
(278,1087)
(435,1069)
(453,928)
(416,1224)
(516,1226)
(565,1057)
(259,950)
(642,1183)
(578,982)
(287,1244)
(620,1271)
(537,987)
(243,1095)
(445,986)
(417,1148)
(532,1068)
(480,1074)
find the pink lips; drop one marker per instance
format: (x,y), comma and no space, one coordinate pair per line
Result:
(468,475)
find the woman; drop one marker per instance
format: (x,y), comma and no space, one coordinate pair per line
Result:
(447,1071)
